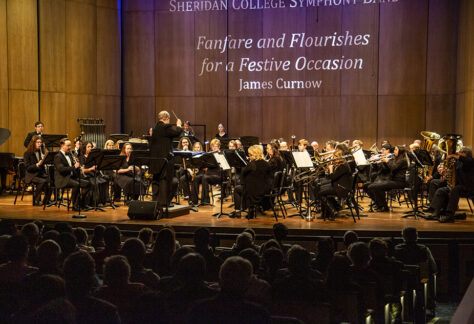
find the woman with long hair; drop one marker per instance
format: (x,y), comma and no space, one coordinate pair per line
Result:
(128,176)
(35,170)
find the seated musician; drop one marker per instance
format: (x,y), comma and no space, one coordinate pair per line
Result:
(187,132)
(109,145)
(76,152)
(302,143)
(398,167)
(99,184)
(357,145)
(67,172)
(340,176)
(239,145)
(275,161)
(283,146)
(433,178)
(256,181)
(205,177)
(36,171)
(184,175)
(39,130)
(128,177)
(446,199)
(232,145)
(330,146)
(315,146)
(221,132)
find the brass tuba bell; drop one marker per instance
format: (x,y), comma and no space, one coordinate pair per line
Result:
(430,139)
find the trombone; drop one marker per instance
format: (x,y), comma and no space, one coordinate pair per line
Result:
(318,167)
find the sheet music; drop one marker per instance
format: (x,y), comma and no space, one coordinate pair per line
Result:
(359,157)
(302,159)
(221,160)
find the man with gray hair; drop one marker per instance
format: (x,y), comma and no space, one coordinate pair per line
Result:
(164,184)
(230,306)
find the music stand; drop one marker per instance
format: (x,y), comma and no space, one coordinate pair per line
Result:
(111,152)
(290,164)
(94,158)
(119,137)
(49,160)
(206,160)
(419,159)
(50,141)
(111,163)
(224,166)
(303,161)
(136,146)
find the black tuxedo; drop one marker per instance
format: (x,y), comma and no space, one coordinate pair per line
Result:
(36,175)
(66,176)
(161,146)
(29,137)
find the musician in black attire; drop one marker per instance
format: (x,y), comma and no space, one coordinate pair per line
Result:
(434,181)
(164,183)
(340,184)
(398,167)
(39,127)
(446,199)
(275,161)
(128,176)
(184,174)
(98,183)
(221,133)
(187,132)
(35,170)
(212,175)
(256,181)
(66,174)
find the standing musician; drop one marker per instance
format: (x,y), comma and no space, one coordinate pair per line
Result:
(39,128)
(398,167)
(445,201)
(221,133)
(340,176)
(98,183)
(256,181)
(128,176)
(164,184)
(67,172)
(36,171)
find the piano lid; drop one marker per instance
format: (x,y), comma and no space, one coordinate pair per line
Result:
(4,135)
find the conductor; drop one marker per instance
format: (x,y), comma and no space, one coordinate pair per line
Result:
(164,184)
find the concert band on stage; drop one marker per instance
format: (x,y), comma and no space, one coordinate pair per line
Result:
(436,172)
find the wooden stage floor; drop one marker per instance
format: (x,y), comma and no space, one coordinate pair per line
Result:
(384,224)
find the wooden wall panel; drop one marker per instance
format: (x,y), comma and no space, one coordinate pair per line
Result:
(322,115)
(402,49)
(359,118)
(139,114)
(81,48)
(3,46)
(21,117)
(112,4)
(211,111)
(108,108)
(108,52)
(246,117)
(53,45)
(182,106)
(139,57)
(4,118)
(210,25)
(284,121)
(22,45)
(361,20)
(78,106)
(441,113)
(174,55)
(137,5)
(242,25)
(53,112)
(400,118)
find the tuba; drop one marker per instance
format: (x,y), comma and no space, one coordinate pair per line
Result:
(450,144)
(430,139)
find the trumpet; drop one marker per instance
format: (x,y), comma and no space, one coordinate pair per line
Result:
(378,157)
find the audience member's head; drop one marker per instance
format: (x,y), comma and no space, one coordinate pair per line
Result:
(337,272)
(252,256)
(350,237)
(191,269)
(378,248)
(243,241)
(45,288)
(79,273)
(298,260)
(112,238)
(81,235)
(359,254)
(410,235)
(134,250)
(146,235)
(40,225)
(7,226)
(31,232)
(202,238)
(16,248)
(272,259)
(67,242)
(251,231)
(325,246)
(178,255)
(98,237)
(235,275)
(165,241)
(150,308)
(280,232)
(51,235)
(49,255)
(57,311)
(116,271)
(63,227)
(272,243)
